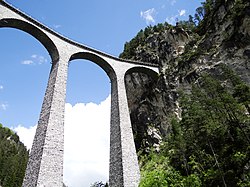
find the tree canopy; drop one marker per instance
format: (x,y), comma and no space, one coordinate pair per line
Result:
(210,145)
(13,158)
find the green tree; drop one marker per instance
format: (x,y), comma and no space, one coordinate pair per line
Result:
(13,158)
(210,145)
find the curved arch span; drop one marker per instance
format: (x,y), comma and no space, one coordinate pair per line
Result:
(35,32)
(97,60)
(141,69)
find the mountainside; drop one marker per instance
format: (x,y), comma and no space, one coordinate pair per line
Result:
(221,37)
(13,158)
(196,115)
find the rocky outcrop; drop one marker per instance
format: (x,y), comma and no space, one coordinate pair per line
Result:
(223,37)
(153,103)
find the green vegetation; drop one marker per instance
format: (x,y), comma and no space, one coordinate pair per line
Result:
(13,158)
(210,145)
(129,51)
(192,24)
(201,23)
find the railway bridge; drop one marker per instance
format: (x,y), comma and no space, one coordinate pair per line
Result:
(45,165)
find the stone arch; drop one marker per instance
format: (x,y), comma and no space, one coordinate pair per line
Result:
(35,32)
(140,69)
(107,70)
(97,60)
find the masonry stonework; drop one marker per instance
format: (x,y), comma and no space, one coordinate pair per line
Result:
(45,165)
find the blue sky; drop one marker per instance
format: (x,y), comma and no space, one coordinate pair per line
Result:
(104,25)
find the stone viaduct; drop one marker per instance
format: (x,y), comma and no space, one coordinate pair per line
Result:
(45,165)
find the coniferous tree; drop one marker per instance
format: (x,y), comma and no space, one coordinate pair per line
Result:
(210,145)
(13,158)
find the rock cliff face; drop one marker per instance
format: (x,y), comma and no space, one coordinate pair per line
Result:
(222,37)
(152,103)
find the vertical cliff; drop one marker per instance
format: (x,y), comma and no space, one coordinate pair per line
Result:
(222,37)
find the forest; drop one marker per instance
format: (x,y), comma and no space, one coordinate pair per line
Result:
(210,145)
(13,158)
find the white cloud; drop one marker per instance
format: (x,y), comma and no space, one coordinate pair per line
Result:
(172,2)
(39,59)
(35,59)
(86,143)
(26,134)
(172,20)
(4,106)
(86,156)
(57,26)
(148,15)
(27,62)
(34,56)
(182,12)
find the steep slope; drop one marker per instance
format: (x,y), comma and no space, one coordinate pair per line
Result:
(153,103)
(197,114)
(222,37)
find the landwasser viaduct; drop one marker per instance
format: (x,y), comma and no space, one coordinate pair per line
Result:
(45,165)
